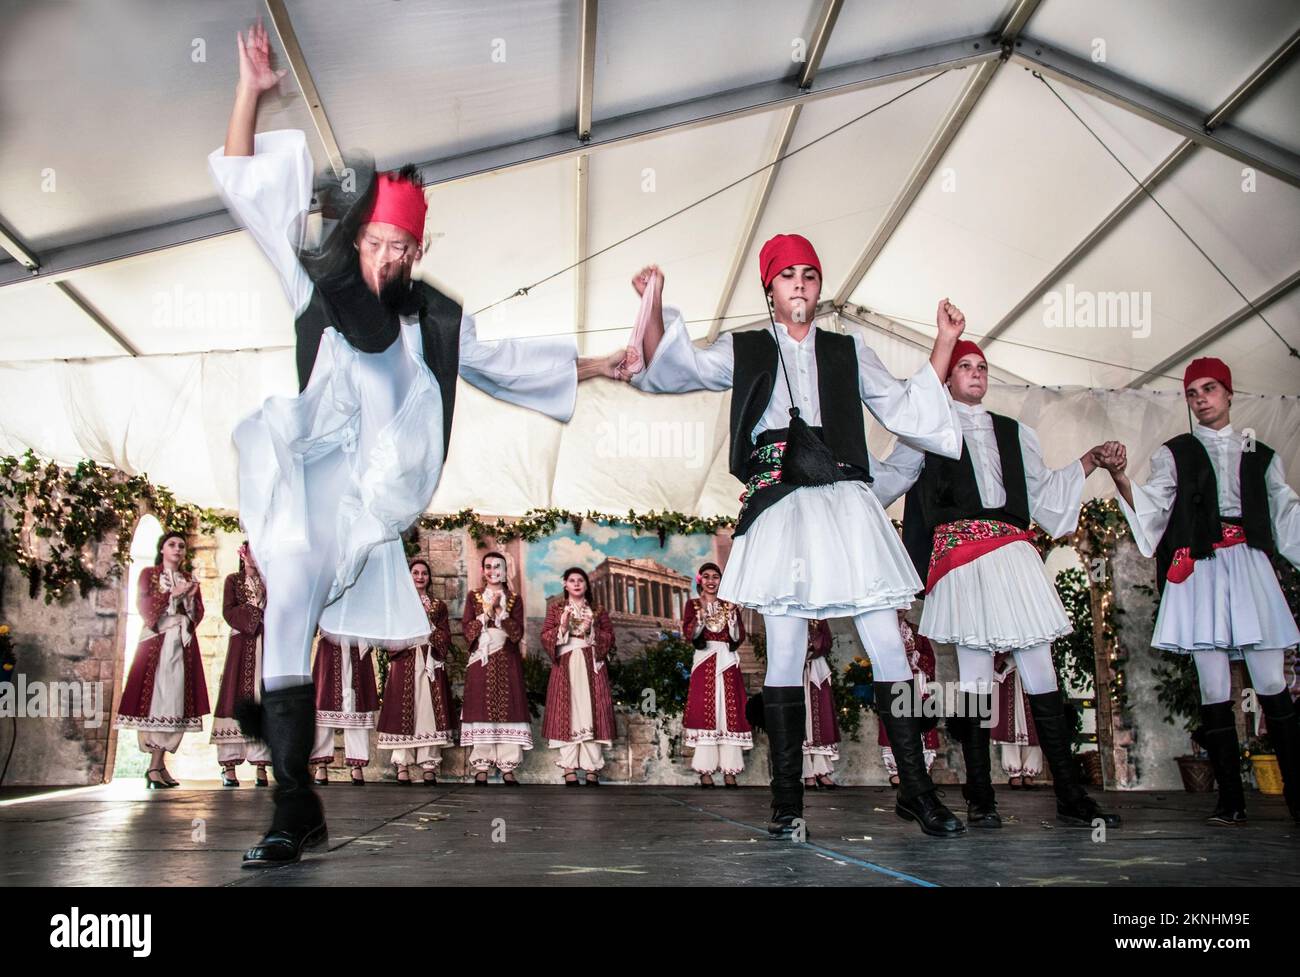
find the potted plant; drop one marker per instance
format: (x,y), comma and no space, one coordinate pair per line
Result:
(1178,691)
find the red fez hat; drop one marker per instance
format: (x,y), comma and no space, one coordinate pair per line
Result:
(963,347)
(783,251)
(1208,367)
(400,203)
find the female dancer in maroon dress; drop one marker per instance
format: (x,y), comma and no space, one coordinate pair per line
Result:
(242,605)
(579,704)
(347,698)
(166,694)
(416,719)
(715,723)
(495,721)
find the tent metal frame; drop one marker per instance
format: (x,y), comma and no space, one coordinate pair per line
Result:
(984,52)
(1163,170)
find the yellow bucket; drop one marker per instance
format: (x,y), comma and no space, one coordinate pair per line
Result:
(1268,775)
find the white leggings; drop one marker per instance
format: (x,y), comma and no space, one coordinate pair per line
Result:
(787,647)
(1212,667)
(295,596)
(1037,674)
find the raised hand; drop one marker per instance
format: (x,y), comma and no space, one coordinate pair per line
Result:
(950,320)
(643,278)
(255,72)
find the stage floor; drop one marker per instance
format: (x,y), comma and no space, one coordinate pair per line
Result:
(458,834)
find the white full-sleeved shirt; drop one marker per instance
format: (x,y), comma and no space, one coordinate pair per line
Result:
(1054,493)
(919,408)
(1153,503)
(270,192)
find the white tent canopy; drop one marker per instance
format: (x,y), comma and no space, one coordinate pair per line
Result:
(137,323)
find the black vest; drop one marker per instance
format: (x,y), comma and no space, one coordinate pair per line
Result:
(439,331)
(757,371)
(1195,521)
(947,490)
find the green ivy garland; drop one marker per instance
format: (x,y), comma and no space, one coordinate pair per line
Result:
(536,523)
(52,518)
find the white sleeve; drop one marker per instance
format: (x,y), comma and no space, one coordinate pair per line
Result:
(1153,503)
(1284,507)
(892,477)
(1054,493)
(679,366)
(919,409)
(269,193)
(541,374)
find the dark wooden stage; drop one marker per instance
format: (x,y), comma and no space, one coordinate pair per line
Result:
(458,834)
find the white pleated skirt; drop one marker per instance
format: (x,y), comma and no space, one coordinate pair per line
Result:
(1232,601)
(1000,601)
(822,551)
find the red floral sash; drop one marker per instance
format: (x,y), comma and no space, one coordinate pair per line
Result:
(1182,565)
(963,540)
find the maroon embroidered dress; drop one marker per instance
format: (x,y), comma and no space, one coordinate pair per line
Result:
(166,693)
(417,710)
(346,698)
(579,704)
(715,699)
(821,731)
(242,604)
(496,698)
(1014,722)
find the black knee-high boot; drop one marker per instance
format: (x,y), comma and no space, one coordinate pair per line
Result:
(917,799)
(973,735)
(784,717)
(1283,732)
(289,727)
(1055,729)
(1218,737)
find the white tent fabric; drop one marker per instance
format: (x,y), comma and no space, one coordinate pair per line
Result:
(1020,185)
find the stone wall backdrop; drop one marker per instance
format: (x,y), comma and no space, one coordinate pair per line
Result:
(70,641)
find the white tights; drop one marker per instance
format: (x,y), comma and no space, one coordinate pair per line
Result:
(1212,667)
(1037,674)
(787,647)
